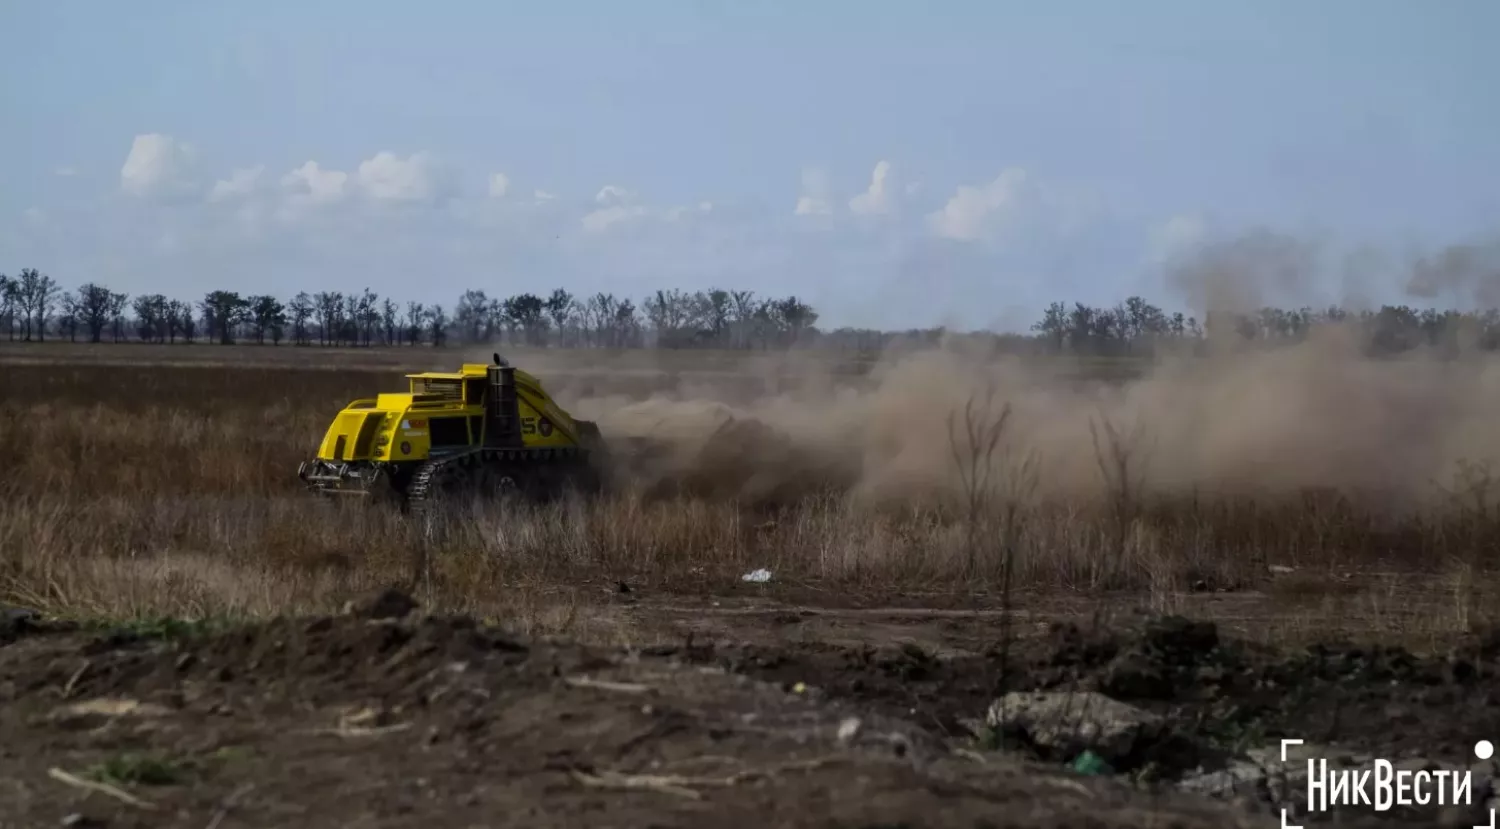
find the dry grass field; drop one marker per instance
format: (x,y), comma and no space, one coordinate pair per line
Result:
(144,484)
(137,488)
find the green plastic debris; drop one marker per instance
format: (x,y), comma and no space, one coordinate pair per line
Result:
(1090,763)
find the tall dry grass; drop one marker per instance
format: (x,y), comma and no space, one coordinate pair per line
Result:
(141,490)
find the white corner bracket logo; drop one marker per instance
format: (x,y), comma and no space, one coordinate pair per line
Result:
(1384,786)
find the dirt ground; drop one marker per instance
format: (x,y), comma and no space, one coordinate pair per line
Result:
(384,717)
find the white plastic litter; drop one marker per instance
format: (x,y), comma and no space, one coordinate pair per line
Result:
(762,575)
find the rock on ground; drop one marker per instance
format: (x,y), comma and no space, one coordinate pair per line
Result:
(1067,722)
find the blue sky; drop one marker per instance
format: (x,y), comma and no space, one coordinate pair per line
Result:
(896,164)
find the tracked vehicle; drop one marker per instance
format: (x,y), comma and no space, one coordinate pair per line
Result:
(484,430)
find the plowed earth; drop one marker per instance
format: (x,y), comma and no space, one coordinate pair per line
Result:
(384,718)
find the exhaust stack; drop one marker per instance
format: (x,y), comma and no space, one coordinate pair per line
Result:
(503,428)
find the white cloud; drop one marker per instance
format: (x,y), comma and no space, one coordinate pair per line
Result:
(384,177)
(65,172)
(975,213)
(284,228)
(158,166)
(678,213)
(312,184)
(611,194)
(814,200)
(499,185)
(387,177)
(876,199)
(603,218)
(617,205)
(241,182)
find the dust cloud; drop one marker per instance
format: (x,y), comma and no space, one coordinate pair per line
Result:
(1311,416)
(1247,420)
(1469,273)
(1243,273)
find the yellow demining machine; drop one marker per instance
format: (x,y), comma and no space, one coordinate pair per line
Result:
(484,430)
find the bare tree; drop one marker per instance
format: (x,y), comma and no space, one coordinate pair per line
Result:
(330,311)
(10,302)
(560,308)
(416,314)
(300,310)
(1122,467)
(974,456)
(150,317)
(117,315)
(180,320)
(670,315)
(94,307)
(223,311)
(388,315)
(266,314)
(526,313)
(38,295)
(67,321)
(437,323)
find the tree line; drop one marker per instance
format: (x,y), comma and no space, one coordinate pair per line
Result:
(1135,327)
(35,307)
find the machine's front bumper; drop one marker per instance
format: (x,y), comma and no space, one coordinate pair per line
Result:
(340,477)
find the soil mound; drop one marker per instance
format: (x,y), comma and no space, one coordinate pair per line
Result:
(1217,693)
(384,717)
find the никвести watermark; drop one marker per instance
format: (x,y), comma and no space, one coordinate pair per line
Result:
(1382,786)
